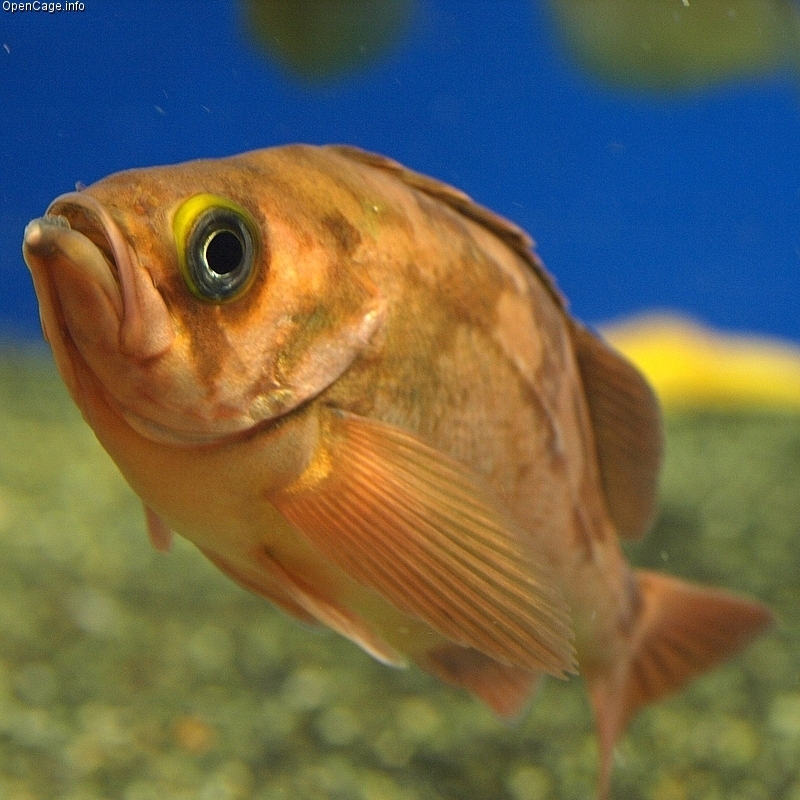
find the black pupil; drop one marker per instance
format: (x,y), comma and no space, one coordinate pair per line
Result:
(224,252)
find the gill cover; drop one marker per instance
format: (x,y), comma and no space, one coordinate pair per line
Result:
(218,245)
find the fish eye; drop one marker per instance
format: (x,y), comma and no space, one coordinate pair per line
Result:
(217,247)
(219,254)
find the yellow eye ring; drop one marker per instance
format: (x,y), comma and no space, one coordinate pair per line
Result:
(217,243)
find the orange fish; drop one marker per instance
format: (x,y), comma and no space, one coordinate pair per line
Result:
(362,397)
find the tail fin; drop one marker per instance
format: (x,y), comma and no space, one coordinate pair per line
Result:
(682,631)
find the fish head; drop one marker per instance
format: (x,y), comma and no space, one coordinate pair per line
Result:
(203,299)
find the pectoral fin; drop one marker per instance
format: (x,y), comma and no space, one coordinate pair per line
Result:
(265,577)
(417,527)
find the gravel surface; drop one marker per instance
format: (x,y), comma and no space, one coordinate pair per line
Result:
(129,674)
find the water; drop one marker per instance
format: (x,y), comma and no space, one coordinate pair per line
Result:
(129,674)
(637,200)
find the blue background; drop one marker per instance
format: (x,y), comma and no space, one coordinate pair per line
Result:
(637,201)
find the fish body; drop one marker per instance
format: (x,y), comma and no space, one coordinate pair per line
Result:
(361,395)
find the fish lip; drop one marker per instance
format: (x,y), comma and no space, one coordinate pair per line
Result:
(59,235)
(145,329)
(87,216)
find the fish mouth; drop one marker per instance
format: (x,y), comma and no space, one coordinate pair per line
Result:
(84,215)
(83,219)
(75,258)
(77,244)
(100,310)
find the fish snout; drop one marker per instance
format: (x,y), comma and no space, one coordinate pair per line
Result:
(78,231)
(78,293)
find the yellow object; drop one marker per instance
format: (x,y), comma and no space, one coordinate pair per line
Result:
(691,366)
(675,45)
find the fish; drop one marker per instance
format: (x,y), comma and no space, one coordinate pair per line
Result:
(317,42)
(361,395)
(678,47)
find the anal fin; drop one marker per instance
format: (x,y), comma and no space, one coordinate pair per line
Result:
(504,688)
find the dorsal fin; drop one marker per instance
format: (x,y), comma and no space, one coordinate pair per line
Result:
(627,429)
(510,234)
